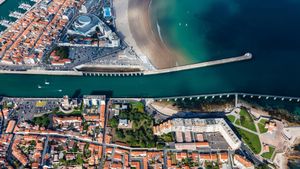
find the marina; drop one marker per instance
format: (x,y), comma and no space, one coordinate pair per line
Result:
(24,6)
(16,14)
(12,10)
(5,23)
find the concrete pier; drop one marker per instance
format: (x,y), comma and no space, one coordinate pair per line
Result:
(235,95)
(247,56)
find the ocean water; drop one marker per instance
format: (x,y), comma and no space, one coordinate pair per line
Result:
(211,29)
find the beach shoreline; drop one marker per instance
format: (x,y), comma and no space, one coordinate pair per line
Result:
(140,34)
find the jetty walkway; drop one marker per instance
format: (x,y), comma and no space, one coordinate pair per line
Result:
(247,56)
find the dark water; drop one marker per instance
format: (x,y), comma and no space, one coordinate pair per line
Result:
(294,164)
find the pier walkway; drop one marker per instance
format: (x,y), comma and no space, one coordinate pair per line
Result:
(247,56)
(236,95)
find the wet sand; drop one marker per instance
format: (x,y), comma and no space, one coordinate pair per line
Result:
(147,39)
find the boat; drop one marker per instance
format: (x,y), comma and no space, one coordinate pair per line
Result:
(60,90)
(47,83)
(2,1)
(5,23)
(16,14)
(24,6)
(39,86)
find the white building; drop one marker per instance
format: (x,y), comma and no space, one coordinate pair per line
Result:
(200,126)
(291,133)
(87,25)
(123,122)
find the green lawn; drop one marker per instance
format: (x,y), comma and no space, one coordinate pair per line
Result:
(137,105)
(246,120)
(252,140)
(261,126)
(269,154)
(74,113)
(231,118)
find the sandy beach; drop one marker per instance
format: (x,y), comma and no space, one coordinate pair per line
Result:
(134,23)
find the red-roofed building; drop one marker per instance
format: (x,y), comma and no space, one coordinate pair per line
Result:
(242,162)
(10,126)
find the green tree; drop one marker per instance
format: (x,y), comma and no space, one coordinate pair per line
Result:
(113,122)
(120,134)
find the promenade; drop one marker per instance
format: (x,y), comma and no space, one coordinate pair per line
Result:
(43,72)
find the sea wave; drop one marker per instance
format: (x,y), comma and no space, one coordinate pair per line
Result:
(159,32)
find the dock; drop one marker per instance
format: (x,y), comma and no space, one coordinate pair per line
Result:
(5,23)
(245,57)
(24,6)
(16,14)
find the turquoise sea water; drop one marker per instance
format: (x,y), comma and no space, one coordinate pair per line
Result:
(211,29)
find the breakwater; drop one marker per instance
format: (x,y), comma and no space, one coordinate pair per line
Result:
(247,56)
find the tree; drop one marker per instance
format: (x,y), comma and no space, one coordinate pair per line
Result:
(113,122)
(263,166)
(79,159)
(120,134)
(167,137)
(33,143)
(42,121)
(97,29)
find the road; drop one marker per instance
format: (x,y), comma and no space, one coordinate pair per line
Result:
(45,150)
